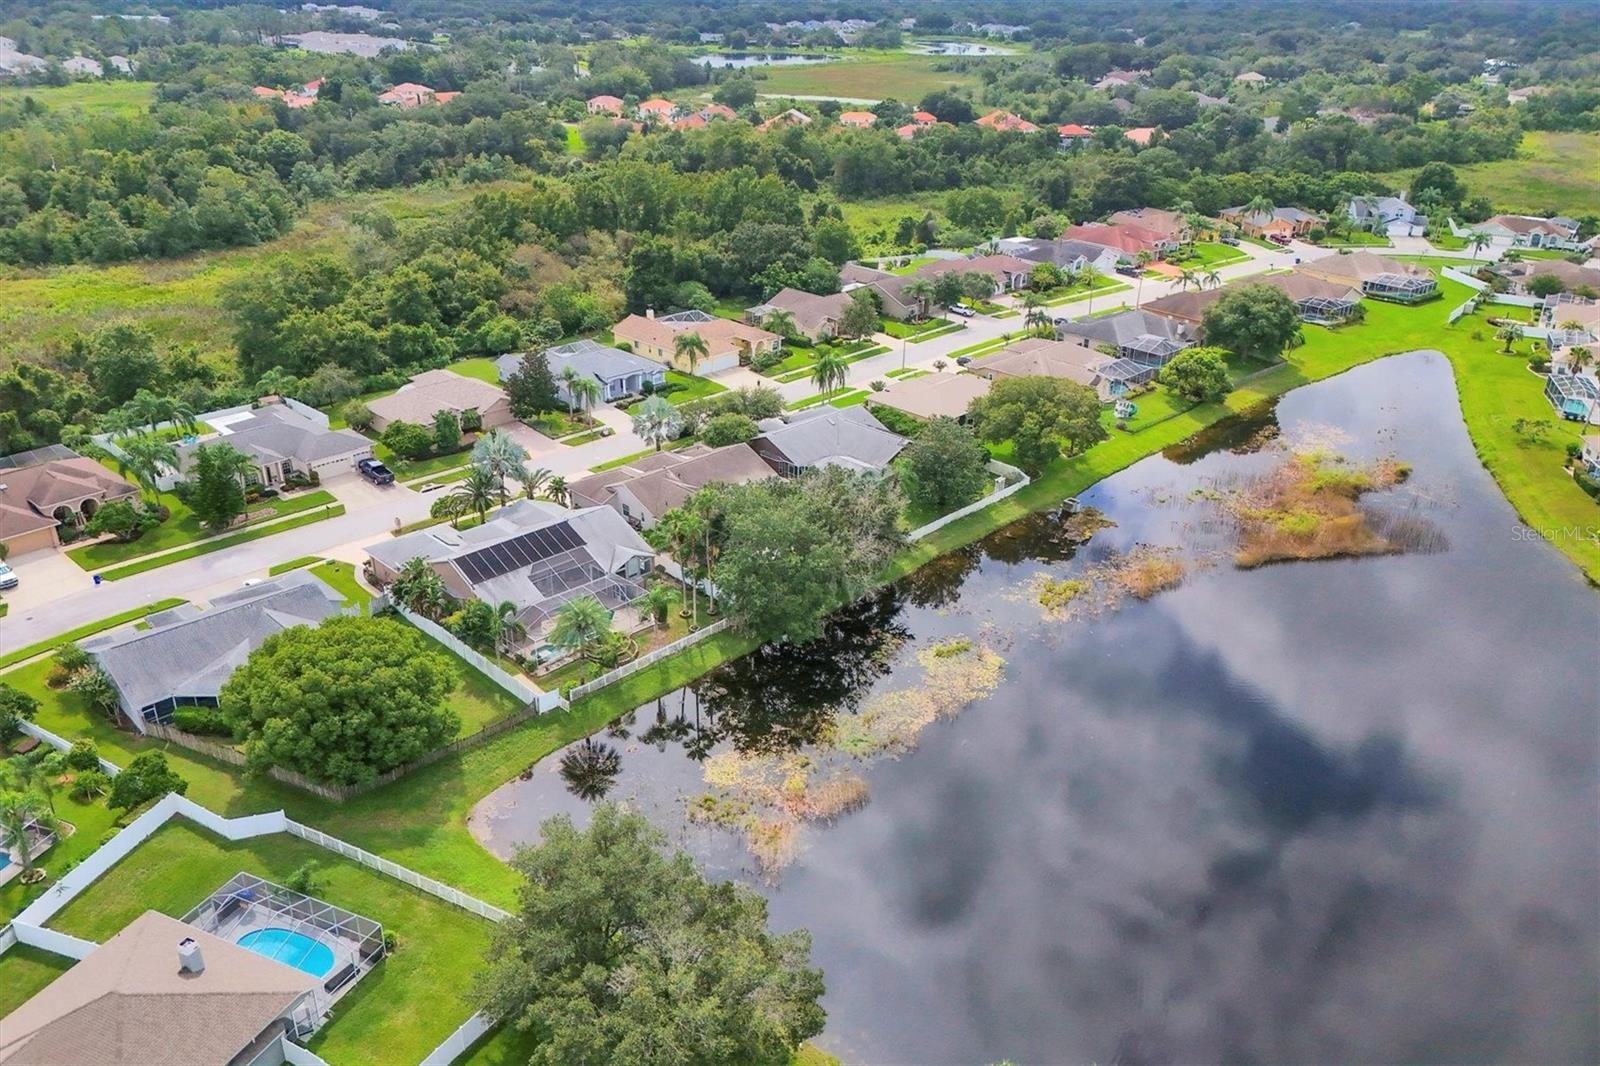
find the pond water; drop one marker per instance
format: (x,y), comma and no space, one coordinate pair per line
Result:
(1344,810)
(959,48)
(742,60)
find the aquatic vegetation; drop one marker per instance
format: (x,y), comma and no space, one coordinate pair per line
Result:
(1147,572)
(954,646)
(1055,595)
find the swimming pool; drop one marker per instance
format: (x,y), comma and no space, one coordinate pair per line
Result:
(304,953)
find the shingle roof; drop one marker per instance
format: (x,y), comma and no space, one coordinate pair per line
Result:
(279,432)
(669,485)
(934,396)
(1039,357)
(127,1003)
(599,361)
(1357,267)
(830,436)
(433,391)
(30,492)
(718,333)
(1129,327)
(811,312)
(193,656)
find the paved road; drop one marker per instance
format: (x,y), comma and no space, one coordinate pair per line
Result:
(372,515)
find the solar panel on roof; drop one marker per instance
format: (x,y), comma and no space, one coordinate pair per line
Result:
(517,552)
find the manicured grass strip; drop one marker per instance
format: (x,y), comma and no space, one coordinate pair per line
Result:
(405,1006)
(183,527)
(824,397)
(583,438)
(670,446)
(341,577)
(117,573)
(481,368)
(408,470)
(983,347)
(293,564)
(87,630)
(1083,294)
(24,971)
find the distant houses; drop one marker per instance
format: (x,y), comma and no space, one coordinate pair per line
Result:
(294,99)
(1068,254)
(427,394)
(1531,231)
(859,120)
(1387,214)
(1007,122)
(1571,276)
(816,317)
(1129,241)
(1141,343)
(1280,224)
(849,438)
(1007,273)
(1316,299)
(604,105)
(409,95)
(646,488)
(1040,357)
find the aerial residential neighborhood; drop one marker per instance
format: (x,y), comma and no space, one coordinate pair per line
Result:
(908,532)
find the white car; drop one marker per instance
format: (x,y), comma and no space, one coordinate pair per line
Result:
(964,312)
(8,577)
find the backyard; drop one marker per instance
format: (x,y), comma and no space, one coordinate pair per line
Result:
(405,1006)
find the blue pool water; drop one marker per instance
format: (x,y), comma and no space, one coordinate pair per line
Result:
(290,948)
(5,860)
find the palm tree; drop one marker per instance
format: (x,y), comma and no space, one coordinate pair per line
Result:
(476,491)
(919,290)
(657,601)
(505,629)
(1142,261)
(681,530)
(1037,317)
(1478,240)
(581,625)
(20,812)
(570,377)
(1510,333)
(144,458)
(585,392)
(829,372)
(1579,357)
(691,348)
(778,321)
(555,490)
(499,454)
(231,460)
(657,422)
(1212,279)
(1187,277)
(31,775)
(450,507)
(1090,276)
(1259,205)
(420,589)
(534,481)
(1369,207)
(146,409)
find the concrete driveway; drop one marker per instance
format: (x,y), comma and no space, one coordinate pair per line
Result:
(358,494)
(42,577)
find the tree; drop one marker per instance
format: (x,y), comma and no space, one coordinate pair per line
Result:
(1046,276)
(948,289)
(342,702)
(1197,374)
(617,953)
(15,706)
(21,813)
(1255,321)
(1038,414)
(146,778)
(977,286)
(358,415)
(1545,285)
(1438,182)
(477,491)
(829,372)
(419,589)
(585,393)
(861,317)
(122,360)
(1089,277)
(498,453)
(690,348)
(657,422)
(407,440)
(446,431)
(531,388)
(731,427)
(220,471)
(148,409)
(945,466)
(145,459)
(1035,314)
(1509,334)
(657,601)
(122,520)
(94,687)
(921,293)
(1186,277)
(781,322)
(581,626)
(1478,240)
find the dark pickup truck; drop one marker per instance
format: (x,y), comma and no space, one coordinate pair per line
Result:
(375,472)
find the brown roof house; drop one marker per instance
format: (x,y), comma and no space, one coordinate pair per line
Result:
(1572,276)
(1375,275)
(433,391)
(1039,357)
(1531,231)
(816,317)
(644,490)
(1316,298)
(43,489)
(1279,224)
(728,343)
(161,992)
(1170,225)
(934,395)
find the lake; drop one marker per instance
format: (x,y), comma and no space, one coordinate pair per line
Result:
(959,48)
(1344,810)
(742,60)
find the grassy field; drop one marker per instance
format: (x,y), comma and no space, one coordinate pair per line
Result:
(118,99)
(405,1006)
(180,299)
(898,77)
(1552,172)
(24,971)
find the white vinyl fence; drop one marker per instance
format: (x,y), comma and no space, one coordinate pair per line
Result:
(579,691)
(490,669)
(467,1034)
(44,736)
(1018,481)
(396,871)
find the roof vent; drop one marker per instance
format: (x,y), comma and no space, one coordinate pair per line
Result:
(189,958)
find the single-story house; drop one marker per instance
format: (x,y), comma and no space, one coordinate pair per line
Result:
(1572,276)
(1008,272)
(1574,396)
(1137,337)
(619,373)
(1072,134)
(42,489)
(1141,135)
(1375,275)
(933,395)
(791,117)
(816,317)
(1006,122)
(1530,231)
(1591,452)
(1170,226)
(1116,79)
(604,105)
(283,439)
(1070,255)
(1040,357)
(83,66)
(1387,214)
(849,437)
(728,344)
(533,554)
(410,95)
(1250,77)
(163,991)
(857,119)
(1129,241)
(433,391)
(647,488)
(890,289)
(1566,311)
(187,654)
(1316,299)
(1281,223)
(657,108)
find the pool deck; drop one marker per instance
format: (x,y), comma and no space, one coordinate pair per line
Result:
(260,916)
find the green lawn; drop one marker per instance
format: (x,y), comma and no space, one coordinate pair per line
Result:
(481,368)
(1447,241)
(341,577)
(574,139)
(398,1012)
(293,564)
(185,527)
(691,387)
(24,971)
(92,822)
(87,630)
(897,76)
(416,469)
(1356,238)
(670,446)
(219,543)
(103,98)
(1104,285)
(1204,255)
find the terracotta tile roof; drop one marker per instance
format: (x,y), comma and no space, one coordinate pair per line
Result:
(1005,120)
(718,333)
(657,106)
(858,119)
(1140,134)
(1072,129)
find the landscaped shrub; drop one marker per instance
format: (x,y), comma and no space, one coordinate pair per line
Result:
(72,657)
(90,785)
(761,362)
(83,756)
(897,421)
(728,428)
(15,706)
(358,414)
(1588,484)
(202,721)
(408,441)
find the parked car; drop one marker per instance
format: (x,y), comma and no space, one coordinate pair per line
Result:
(1230,240)
(1129,269)
(962,310)
(963,360)
(8,577)
(375,472)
